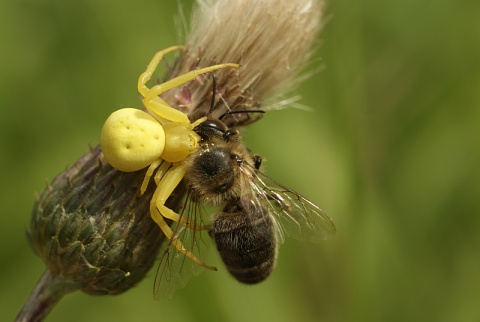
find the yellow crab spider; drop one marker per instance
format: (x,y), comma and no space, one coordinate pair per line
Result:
(161,139)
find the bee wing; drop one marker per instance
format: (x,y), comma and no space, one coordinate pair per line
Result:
(175,268)
(295,215)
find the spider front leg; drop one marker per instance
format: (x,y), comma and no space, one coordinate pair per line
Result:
(158,107)
(166,185)
(157,217)
(152,66)
(153,103)
(158,211)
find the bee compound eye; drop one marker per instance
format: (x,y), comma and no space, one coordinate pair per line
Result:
(131,139)
(213,125)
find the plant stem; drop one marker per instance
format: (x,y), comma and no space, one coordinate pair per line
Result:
(46,293)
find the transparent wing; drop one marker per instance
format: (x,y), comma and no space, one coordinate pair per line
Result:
(175,268)
(295,215)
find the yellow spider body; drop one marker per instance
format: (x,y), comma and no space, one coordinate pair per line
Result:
(132,139)
(160,139)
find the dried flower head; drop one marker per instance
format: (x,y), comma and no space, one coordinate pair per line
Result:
(271,39)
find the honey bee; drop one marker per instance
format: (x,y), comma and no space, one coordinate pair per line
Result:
(255,211)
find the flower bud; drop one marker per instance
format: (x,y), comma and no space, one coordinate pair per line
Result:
(91,226)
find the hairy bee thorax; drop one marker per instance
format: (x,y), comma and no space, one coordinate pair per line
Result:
(214,170)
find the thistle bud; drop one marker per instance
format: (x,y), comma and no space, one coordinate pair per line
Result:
(91,226)
(93,230)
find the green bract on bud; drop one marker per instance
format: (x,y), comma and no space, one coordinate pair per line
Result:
(91,226)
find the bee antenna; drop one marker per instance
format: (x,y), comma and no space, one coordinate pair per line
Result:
(240,111)
(214,88)
(212,103)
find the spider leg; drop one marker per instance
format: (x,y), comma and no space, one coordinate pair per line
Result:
(155,164)
(158,210)
(152,66)
(154,104)
(167,184)
(158,105)
(164,112)
(161,172)
(158,218)
(182,79)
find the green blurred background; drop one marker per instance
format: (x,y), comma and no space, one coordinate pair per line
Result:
(390,151)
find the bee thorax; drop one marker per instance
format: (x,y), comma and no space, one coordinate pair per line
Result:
(212,175)
(214,162)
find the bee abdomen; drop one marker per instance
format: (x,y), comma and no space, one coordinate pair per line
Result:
(246,243)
